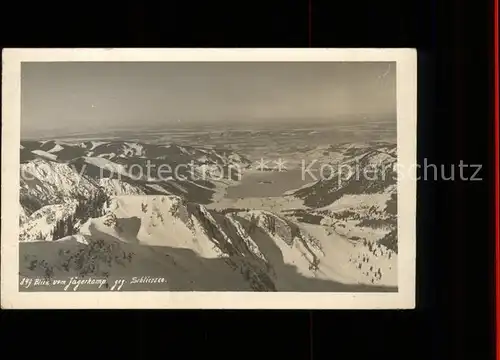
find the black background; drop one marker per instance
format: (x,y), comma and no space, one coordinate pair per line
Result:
(454,315)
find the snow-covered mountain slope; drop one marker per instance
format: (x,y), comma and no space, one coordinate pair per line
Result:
(128,149)
(359,199)
(365,170)
(125,150)
(52,222)
(54,172)
(42,223)
(187,243)
(45,182)
(83,211)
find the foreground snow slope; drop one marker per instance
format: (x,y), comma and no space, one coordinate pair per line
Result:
(198,249)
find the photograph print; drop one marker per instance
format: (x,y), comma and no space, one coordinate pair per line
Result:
(253,175)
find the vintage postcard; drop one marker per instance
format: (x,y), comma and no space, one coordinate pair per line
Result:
(208,178)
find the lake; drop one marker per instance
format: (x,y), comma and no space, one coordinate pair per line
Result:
(267,184)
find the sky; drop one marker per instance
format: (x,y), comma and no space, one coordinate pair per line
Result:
(101,95)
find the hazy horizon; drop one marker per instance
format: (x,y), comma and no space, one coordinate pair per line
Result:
(96,96)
